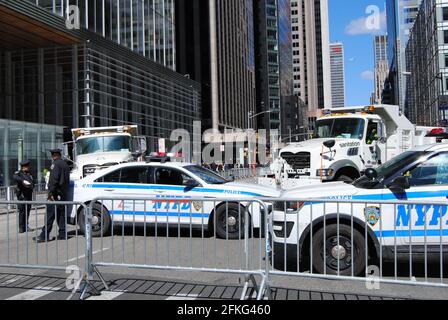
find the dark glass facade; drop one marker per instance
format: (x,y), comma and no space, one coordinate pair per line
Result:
(274,64)
(146,27)
(92,82)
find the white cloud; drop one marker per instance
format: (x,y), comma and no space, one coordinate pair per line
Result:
(368,75)
(367,25)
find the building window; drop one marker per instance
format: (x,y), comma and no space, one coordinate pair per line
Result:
(445,36)
(445,13)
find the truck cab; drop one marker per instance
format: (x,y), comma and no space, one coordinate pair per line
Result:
(99,148)
(346,142)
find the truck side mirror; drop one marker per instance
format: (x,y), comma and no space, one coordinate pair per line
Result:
(400,184)
(139,145)
(330,144)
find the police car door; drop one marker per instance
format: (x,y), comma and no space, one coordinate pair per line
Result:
(133,184)
(425,224)
(174,187)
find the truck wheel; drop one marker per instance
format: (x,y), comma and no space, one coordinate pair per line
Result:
(343,256)
(229,222)
(101,221)
(345,178)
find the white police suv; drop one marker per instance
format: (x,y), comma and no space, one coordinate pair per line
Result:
(307,233)
(174,184)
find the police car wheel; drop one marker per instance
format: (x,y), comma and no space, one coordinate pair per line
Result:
(229,222)
(338,253)
(101,221)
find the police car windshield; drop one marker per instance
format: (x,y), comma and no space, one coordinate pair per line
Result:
(388,169)
(340,128)
(208,176)
(103,144)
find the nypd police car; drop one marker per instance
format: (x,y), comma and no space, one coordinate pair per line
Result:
(319,235)
(174,184)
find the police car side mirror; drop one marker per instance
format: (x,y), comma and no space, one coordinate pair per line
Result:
(371,173)
(191,184)
(400,184)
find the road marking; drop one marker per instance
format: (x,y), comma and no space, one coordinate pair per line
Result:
(34,294)
(83,256)
(15,279)
(183,297)
(106,295)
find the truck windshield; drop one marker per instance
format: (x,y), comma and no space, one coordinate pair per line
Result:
(208,176)
(340,128)
(103,144)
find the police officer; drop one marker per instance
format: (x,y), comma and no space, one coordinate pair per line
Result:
(58,189)
(24,185)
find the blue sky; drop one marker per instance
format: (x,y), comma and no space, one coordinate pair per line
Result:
(348,25)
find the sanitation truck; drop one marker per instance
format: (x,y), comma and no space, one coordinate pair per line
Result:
(95,149)
(346,142)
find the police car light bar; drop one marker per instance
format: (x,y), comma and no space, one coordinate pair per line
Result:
(160,159)
(438,133)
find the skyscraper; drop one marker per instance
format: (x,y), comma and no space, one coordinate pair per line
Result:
(381,67)
(144,26)
(311,54)
(274,73)
(216,48)
(337,75)
(401,15)
(116,69)
(427,85)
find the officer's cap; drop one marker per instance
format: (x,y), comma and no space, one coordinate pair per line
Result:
(25,163)
(54,151)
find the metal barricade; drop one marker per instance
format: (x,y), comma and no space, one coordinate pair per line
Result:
(397,242)
(58,249)
(178,234)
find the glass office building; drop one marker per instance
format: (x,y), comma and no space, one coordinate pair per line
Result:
(39,139)
(144,26)
(274,61)
(401,16)
(53,76)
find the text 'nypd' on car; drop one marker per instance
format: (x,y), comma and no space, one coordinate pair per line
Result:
(174,184)
(319,235)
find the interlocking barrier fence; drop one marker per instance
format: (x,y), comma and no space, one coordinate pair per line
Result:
(397,242)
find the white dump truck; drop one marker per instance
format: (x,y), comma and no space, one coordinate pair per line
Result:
(346,142)
(99,148)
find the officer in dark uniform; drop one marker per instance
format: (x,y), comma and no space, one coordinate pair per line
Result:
(58,190)
(24,185)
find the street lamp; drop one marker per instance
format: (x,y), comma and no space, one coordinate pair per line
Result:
(250,116)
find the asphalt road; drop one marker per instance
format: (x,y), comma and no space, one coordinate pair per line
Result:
(129,247)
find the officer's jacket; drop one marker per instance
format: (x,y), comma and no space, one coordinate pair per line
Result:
(59,182)
(23,192)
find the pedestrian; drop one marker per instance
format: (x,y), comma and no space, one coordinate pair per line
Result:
(24,186)
(58,189)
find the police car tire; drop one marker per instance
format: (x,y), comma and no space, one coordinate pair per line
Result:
(106,220)
(220,229)
(358,249)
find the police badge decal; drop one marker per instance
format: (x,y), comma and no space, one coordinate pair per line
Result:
(372,215)
(197,205)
